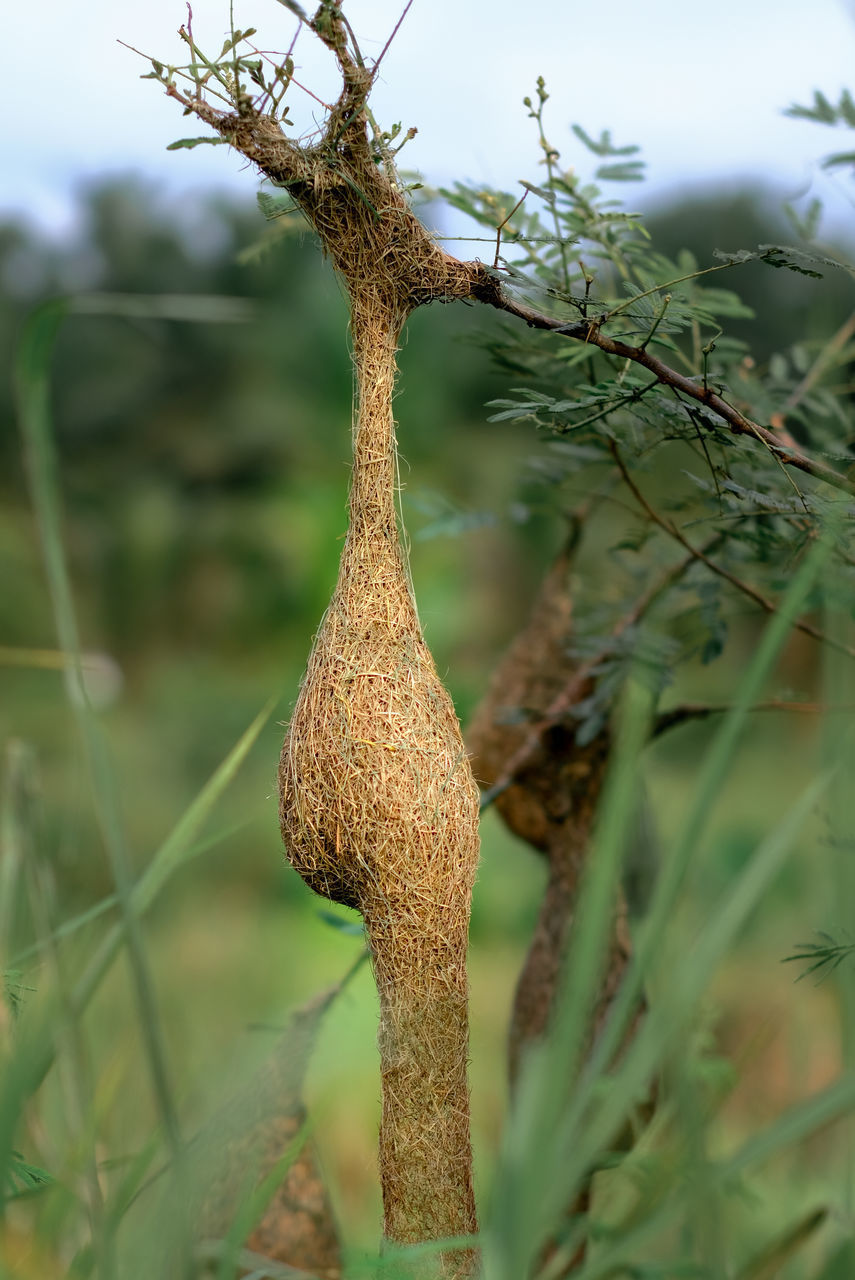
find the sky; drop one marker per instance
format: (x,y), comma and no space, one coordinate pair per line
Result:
(701,87)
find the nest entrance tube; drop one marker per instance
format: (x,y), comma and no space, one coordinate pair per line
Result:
(379,811)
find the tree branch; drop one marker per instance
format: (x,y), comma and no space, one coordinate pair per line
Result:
(491,293)
(685,711)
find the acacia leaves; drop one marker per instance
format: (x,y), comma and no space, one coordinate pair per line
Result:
(576,256)
(187,144)
(822,111)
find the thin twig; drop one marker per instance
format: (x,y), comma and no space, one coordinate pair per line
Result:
(326,105)
(686,711)
(769,606)
(293,45)
(395,31)
(504,223)
(666,285)
(490,292)
(550,155)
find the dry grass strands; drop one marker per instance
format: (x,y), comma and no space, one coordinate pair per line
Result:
(379,809)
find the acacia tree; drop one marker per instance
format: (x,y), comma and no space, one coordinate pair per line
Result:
(378,807)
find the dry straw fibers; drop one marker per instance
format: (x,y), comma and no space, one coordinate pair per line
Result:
(378,806)
(379,811)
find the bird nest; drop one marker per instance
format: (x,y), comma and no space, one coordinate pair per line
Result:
(378,805)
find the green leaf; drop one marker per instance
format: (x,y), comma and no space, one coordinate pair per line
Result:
(296,9)
(512,415)
(604,146)
(445,518)
(709,596)
(629,171)
(784,255)
(794,256)
(820,957)
(736,256)
(24,1177)
(723,302)
(352,928)
(548,196)
(846,108)
(274,206)
(822,112)
(14,989)
(187,144)
(254,68)
(839,158)
(777,258)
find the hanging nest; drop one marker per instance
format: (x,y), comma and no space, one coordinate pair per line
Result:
(379,811)
(378,805)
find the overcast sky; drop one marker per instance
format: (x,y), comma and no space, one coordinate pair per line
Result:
(701,86)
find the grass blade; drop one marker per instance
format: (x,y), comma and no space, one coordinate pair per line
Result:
(537,1179)
(524,1209)
(178,848)
(12,837)
(32,387)
(173,854)
(668,1023)
(716,767)
(183,855)
(767,1264)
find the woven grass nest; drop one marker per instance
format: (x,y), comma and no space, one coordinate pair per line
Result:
(379,811)
(378,802)
(378,805)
